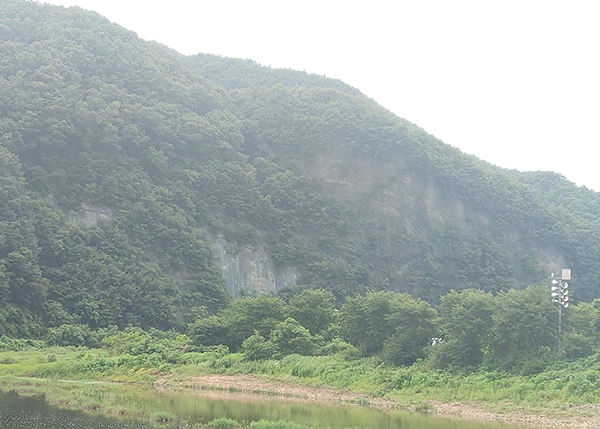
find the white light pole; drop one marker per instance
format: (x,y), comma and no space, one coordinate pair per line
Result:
(560,294)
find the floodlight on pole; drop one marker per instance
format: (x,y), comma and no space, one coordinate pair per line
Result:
(560,293)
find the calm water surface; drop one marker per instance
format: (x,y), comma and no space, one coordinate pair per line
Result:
(33,412)
(20,412)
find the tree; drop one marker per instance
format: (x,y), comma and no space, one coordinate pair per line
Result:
(208,331)
(465,322)
(314,309)
(524,324)
(415,325)
(582,327)
(395,324)
(364,321)
(256,347)
(234,324)
(290,337)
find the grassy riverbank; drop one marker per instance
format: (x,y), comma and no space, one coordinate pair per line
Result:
(562,388)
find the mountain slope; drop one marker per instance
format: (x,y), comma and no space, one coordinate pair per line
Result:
(138,185)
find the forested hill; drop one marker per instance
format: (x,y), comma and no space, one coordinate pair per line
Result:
(139,185)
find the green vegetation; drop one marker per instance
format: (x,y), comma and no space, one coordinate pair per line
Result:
(470,330)
(409,265)
(122,162)
(394,324)
(562,382)
(500,351)
(373,338)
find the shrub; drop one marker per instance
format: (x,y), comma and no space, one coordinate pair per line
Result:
(424,407)
(72,335)
(133,341)
(163,416)
(335,346)
(256,347)
(16,345)
(577,346)
(289,337)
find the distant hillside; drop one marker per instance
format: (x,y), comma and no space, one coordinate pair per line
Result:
(581,202)
(143,187)
(231,73)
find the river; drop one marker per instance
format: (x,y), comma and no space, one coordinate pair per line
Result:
(116,406)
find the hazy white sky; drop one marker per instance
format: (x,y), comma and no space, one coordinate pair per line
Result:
(514,82)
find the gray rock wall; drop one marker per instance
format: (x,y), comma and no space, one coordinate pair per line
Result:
(250,269)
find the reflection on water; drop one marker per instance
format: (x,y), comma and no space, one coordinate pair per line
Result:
(17,412)
(32,412)
(251,408)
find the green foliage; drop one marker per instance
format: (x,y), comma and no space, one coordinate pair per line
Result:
(233,325)
(424,407)
(163,416)
(9,344)
(415,325)
(539,382)
(524,323)
(76,335)
(583,329)
(235,74)
(83,113)
(131,340)
(19,323)
(364,321)
(208,331)
(121,162)
(577,345)
(289,337)
(168,346)
(256,347)
(396,325)
(313,309)
(515,330)
(336,346)
(466,323)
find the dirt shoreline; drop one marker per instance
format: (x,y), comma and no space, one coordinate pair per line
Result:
(256,388)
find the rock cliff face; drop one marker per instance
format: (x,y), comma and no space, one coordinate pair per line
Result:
(250,270)
(403,204)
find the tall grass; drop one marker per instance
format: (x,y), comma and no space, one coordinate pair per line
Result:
(576,382)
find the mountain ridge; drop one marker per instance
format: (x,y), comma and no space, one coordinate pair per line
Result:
(192,157)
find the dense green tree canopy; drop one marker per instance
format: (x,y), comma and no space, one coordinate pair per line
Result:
(395,324)
(466,323)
